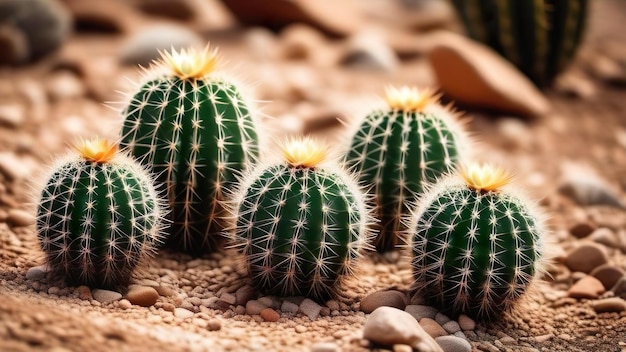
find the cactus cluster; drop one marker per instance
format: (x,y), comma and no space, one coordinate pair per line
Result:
(301,223)
(99,214)
(194,130)
(476,243)
(539,37)
(401,148)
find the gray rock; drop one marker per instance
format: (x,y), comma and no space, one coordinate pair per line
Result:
(143,47)
(309,308)
(420,311)
(289,307)
(369,50)
(454,344)
(441,318)
(584,186)
(254,307)
(389,326)
(244,294)
(389,298)
(37,272)
(106,296)
(451,327)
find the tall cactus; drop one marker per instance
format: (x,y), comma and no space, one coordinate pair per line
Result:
(301,223)
(539,36)
(194,129)
(98,215)
(476,243)
(399,149)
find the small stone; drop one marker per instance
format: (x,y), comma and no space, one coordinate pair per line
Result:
(451,327)
(124,304)
(19,218)
(270,302)
(582,229)
(14,167)
(432,327)
(508,340)
(228,298)
(441,318)
(65,85)
(586,257)
(605,236)
(402,348)
(165,291)
(466,323)
(36,273)
(588,287)
(182,313)
(324,347)
(300,329)
(390,326)
(608,275)
(581,183)
(53,290)
(12,115)
(332,305)
(453,344)
(106,296)
(420,311)
(301,42)
(620,288)
(84,293)
(369,50)
(543,338)
(269,314)
(214,325)
(254,307)
(310,308)
(144,296)
(289,307)
(390,298)
(143,46)
(613,304)
(244,294)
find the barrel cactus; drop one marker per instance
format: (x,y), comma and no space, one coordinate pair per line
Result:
(539,36)
(401,148)
(193,128)
(300,222)
(98,215)
(476,243)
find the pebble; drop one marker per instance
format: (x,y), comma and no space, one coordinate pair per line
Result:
(402,348)
(165,291)
(369,50)
(144,296)
(18,218)
(254,307)
(106,296)
(471,74)
(613,304)
(53,290)
(182,313)
(586,257)
(608,275)
(583,185)
(390,298)
(300,329)
(507,340)
(143,46)
(301,42)
(453,344)
(605,236)
(12,115)
(84,293)
(309,308)
(332,305)
(124,304)
(244,294)
(582,229)
(228,298)
(289,307)
(421,311)
(269,314)
(389,326)
(441,318)
(36,273)
(466,323)
(214,325)
(588,287)
(543,338)
(451,327)
(620,288)
(324,347)
(432,328)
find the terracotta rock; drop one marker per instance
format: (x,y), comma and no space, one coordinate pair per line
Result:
(432,328)
(391,298)
(588,287)
(586,257)
(142,296)
(608,275)
(268,314)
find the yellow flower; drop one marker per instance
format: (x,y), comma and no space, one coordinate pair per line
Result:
(303,152)
(97,150)
(409,98)
(189,63)
(485,177)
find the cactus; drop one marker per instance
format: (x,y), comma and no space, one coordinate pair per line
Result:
(194,129)
(98,215)
(400,149)
(301,223)
(31,29)
(539,36)
(476,243)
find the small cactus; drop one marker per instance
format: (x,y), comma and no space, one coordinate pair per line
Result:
(194,129)
(540,37)
(400,149)
(98,215)
(476,243)
(301,223)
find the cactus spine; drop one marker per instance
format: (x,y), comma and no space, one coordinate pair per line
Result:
(539,36)
(476,243)
(194,129)
(98,215)
(400,149)
(301,223)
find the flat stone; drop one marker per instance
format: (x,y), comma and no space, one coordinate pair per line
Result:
(144,296)
(451,327)
(325,347)
(588,287)
(432,327)
(613,304)
(582,183)
(106,296)
(269,314)
(582,229)
(453,344)
(390,298)
(254,307)
(228,298)
(389,326)
(466,323)
(608,275)
(289,307)
(310,308)
(421,311)
(586,257)
(36,273)
(182,313)
(19,218)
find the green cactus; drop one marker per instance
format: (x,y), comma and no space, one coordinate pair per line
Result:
(400,149)
(194,129)
(98,215)
(476,244)
(540,37)
(301,223)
